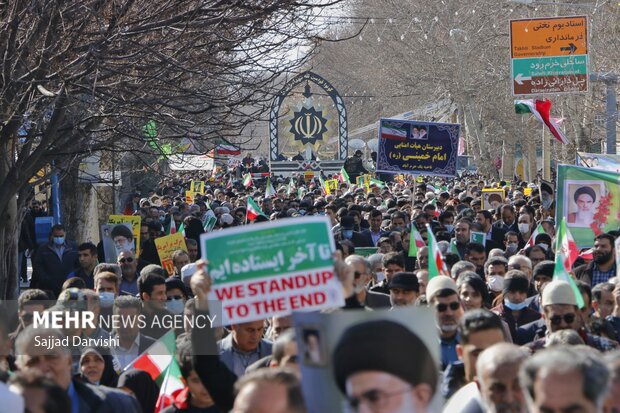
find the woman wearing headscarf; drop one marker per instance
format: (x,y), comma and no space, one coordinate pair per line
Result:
(139,384)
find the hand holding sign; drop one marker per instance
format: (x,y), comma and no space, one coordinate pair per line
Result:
(201,285)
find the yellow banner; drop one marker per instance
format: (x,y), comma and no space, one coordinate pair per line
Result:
(135,222)
(166,246)
(332,185)
(197,187)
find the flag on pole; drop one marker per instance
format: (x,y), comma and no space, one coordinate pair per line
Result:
(539,230)
(291,187)
(229,185)
(160,363)
(324,187)
(377,182)
(270,191)
(301,192)
(253,210)
(415,242)
(560,273)
(247,180)
(436,265)
(344,176)
(566,245)
(172,229)
(541,109)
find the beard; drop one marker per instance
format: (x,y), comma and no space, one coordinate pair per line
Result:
(602,258)
(514,407)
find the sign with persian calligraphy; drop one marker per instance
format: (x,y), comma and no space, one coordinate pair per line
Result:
(549,55)
(415,147)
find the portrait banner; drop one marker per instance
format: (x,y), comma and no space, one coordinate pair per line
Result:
(589,200)
(135,222)
(492,198)
(273,268)
(606,162)
(415,147)
(166,246)
(333,347)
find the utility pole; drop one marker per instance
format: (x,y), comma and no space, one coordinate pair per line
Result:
(611,116)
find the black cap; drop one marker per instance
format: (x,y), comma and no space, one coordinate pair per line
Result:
(405,281)
(347,222)
(384,346)
(544,268)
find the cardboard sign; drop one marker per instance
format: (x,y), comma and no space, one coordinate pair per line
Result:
(527,191)
(197,187)
(363,180)
(166,246)
(135,222)
(366,251)
(332,185)
(479,237)
(190,196)
(273,268)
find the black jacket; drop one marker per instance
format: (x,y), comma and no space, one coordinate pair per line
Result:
(102,399)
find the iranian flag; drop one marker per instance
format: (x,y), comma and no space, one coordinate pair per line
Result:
(344,176)
(436,266)
(253,210)
(560,273)
(270,192)
(229,185)
(377,182)
(393,131)
(566,246)
(539,230)
(160,363)
(247,180)
(291,187)
(415,242)
(541,109)
(173,226)
(324,187)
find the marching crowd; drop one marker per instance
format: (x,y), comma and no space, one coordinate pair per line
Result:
(511,338)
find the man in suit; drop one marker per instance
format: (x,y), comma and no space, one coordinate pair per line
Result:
(132,342)
(508,221)
(494,235)
(375,232)
(57,363)
(244,346)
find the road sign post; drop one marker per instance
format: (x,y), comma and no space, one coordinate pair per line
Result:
(549,55)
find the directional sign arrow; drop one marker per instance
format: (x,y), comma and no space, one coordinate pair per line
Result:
(520,78)
(570,49)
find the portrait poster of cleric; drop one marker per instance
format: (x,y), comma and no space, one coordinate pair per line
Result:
(354,358)
(589,200)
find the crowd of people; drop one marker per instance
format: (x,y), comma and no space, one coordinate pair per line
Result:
(511,338)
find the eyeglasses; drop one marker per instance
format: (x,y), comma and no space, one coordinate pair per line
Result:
(128,260)
(375,399)
(556,320)
(454,305)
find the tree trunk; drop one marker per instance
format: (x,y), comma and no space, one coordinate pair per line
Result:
(9,236)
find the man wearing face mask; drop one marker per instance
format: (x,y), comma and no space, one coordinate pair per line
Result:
(525,225)
(511,243)
(514,310)
(603,266)
(495,269)
(54,261)
(346,232)
(363,275)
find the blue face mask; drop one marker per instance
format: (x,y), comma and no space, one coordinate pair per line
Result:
(347,233)
(106,299)
(59,240)
(515,307)
(449,227)
(175,306)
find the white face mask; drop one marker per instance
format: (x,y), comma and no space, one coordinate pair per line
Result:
(496,283)
(106,299)
(175,306)
(380,276)
(524,228)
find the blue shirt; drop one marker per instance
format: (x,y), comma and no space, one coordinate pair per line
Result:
(75,400)
(599,276)
(448,351)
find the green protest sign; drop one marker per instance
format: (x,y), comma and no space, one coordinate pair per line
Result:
(589,200)
(366,251)
(273,268)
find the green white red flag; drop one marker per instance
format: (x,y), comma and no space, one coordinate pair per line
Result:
(291,187)
(436,265)
(247,180)
(173,226)
(541,109)
(160,363)
(566,253)
(539,230)
(344,176)
(415,242)
(253,210)
(270,191)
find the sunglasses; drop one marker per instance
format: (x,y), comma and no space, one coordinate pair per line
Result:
(126,260)
(454,305)
(556,320)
